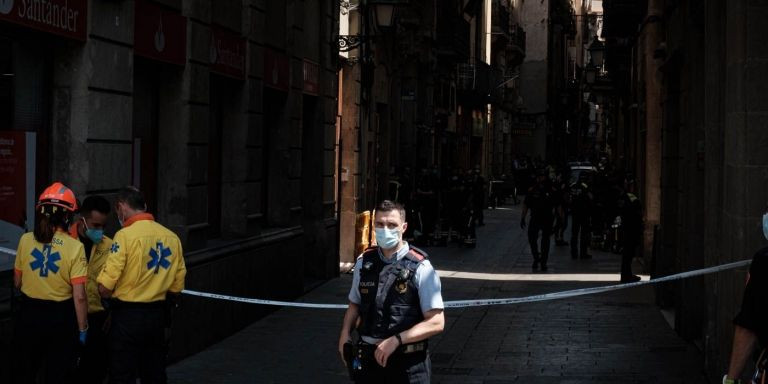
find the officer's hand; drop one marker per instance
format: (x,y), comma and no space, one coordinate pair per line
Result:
(385,349)
(522,223)
(83,335)
(343,340)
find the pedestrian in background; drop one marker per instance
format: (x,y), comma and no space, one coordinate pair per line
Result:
(51,271)
(581,202)
(751,324)
(631,213)
(89,229)
(145,267)
(396,305)
(541,201)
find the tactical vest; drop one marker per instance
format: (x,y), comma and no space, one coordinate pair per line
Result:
(389,294)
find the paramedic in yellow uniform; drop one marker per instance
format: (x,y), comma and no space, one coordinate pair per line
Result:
(89,229)
(51,271)
(144,266)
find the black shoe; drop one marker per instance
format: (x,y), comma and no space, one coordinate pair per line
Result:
(630,279)
(586,257)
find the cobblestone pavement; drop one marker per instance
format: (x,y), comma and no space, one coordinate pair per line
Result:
(615,337)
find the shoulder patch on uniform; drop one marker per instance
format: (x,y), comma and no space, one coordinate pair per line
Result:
(416,254)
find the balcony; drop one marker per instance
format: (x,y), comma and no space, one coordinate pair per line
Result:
(473,82)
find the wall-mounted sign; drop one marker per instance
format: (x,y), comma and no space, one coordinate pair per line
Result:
(17,190)
(160,34)
(311,78)
(227,53)
(276,69)
(66,18)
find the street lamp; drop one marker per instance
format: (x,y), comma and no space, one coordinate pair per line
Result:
(596,52)
(385,12)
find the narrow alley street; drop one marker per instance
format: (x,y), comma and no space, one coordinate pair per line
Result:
(607,338)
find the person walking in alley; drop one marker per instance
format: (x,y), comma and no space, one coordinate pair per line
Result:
(145,267)
(396,304)
(751,323)
(542,201)
(581,210)
(631,212)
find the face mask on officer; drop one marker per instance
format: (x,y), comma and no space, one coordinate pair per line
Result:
(387,238)
(765,225)
(96,235)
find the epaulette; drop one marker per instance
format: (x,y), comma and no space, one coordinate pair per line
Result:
(417,255)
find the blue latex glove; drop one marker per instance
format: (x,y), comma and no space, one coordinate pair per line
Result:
(83,336)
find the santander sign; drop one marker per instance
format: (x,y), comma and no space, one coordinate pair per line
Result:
(61,17)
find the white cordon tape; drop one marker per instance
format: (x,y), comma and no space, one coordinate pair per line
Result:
(480,303)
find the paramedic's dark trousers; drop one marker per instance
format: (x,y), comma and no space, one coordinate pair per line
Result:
(137,343)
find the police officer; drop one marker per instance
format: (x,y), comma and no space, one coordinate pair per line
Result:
(581,209)
(478,196)
(751,324)
(89,229)
(145,267)
(541,200)
(395,299)
(51,271)
(631,213)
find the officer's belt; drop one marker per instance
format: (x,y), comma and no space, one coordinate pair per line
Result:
(405,348)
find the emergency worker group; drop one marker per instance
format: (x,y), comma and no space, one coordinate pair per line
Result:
(91,308)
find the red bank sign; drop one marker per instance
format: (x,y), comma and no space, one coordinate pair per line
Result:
(160,34)
(227,53)
(66,18)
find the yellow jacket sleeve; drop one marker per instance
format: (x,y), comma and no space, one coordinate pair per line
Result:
(78,273)
(113,268)
(181,272)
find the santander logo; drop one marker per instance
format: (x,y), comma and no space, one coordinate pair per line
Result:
(160,37)
(6,6)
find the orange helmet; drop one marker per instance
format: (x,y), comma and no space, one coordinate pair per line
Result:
(59,195)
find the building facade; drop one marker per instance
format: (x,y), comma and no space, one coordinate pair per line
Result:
(690,118)
(222,112)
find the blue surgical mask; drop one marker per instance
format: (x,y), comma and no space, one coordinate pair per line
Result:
(765,226)
(96,235)
(387,238)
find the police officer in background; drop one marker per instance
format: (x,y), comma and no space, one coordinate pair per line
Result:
(581,210)
(395,301)
(145,267)
(631,212)
(542,201)
(51,271)
(751,324)
(89,229)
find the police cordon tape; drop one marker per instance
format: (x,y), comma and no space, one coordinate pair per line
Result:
(486,302)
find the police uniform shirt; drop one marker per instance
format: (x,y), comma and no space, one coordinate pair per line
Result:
(145,261)
(754,306)
(426,279)
(48,271)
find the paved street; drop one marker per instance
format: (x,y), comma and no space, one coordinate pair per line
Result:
(617,337)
